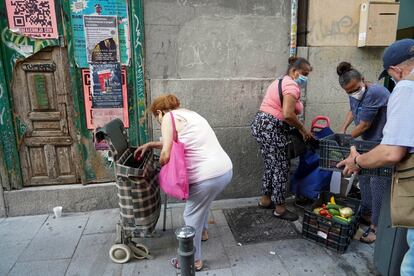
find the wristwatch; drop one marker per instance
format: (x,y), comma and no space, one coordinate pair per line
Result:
(356,163)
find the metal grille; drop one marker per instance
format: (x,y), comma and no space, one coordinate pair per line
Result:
(252,225)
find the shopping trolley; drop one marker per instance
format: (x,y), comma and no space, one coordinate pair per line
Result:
(138,193)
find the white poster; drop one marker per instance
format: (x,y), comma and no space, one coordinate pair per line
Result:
(102,43)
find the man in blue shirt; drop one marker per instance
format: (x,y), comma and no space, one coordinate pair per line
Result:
(397,145)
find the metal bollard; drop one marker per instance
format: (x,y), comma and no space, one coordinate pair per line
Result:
(185,236)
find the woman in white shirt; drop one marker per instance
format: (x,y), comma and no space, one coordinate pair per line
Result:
(209,167)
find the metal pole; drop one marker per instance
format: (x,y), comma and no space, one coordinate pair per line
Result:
(185,236)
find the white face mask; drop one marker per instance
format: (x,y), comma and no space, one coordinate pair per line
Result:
(358,94)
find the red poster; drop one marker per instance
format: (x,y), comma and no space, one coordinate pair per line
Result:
(98,117)
(35,18)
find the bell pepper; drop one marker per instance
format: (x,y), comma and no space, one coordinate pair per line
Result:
(328,216)
(323,212)
(332,200)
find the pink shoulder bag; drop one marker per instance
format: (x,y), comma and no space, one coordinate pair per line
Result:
(173,175)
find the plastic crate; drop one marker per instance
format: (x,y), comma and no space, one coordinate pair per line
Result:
(336,147)
(332,234)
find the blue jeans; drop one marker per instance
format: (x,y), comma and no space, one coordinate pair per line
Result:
(407,265)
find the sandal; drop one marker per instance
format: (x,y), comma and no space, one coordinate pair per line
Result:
(176,264)
(366,234)
(204,236)
(287,215)
(270,206)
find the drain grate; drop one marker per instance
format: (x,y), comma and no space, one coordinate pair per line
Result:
(252,225)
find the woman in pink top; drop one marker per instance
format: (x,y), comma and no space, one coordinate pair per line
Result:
(209,167)
(270,129)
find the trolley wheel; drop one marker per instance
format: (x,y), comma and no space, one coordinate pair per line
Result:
(120,253)
(141,251)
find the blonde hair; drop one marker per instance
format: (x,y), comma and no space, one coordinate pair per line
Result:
(164,103)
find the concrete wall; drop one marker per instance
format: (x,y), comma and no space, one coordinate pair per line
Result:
(218,57)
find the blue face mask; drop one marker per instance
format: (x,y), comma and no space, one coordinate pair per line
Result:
(301,80)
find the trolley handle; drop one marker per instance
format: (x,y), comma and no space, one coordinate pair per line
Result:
(316,125)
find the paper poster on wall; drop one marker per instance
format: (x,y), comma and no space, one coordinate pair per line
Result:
(101,34)
(106,85)
(81,8)
(98,117)
(35,19)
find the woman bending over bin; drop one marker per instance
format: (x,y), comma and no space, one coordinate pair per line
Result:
(209,167)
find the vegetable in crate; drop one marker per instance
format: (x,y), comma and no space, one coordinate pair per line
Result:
(334,212)
(332,200)
(346,212)
(317,210)
(341,219)
(336,155)
(334,206)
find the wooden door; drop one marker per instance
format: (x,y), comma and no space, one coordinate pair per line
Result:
(44,114)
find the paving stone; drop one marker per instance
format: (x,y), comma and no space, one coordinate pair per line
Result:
(219,218)
(2,219)
(255,259)
(177,217)
(234,203)
(357,260)
(15,234)
(102,221)
(162,240)
(168,221)
(216,272)
(10,252)
(92,256)
(214,254)
(226,236)
(159,266)
(41,268)
(57,239)
(303,257)
(21,228)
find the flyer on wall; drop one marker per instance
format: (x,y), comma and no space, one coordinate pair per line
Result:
(35,19)
(117,8)
(101,34)
(98,117)
(106,84)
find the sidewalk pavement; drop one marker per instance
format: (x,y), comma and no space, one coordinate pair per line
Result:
(78,244)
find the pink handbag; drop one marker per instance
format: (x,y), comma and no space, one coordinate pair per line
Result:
(173,175)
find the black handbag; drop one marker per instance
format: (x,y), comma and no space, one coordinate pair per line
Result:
(297,146)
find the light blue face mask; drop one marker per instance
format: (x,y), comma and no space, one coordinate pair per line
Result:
(302,80)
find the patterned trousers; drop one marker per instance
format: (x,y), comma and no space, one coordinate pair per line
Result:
(272,137)
(372,190)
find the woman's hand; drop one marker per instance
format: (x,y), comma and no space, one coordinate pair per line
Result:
(141,150)
(307,135)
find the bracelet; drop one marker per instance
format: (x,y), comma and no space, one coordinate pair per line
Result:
(356,163)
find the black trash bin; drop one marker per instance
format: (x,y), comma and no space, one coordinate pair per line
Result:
(391,243)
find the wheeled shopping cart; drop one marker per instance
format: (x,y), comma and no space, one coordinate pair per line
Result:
(138,193)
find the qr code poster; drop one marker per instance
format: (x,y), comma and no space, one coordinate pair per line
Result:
(33,18)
